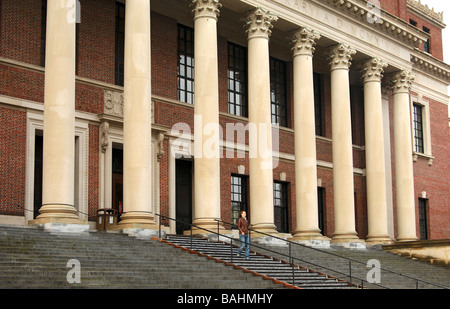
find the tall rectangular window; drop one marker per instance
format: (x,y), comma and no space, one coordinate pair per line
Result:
(238,197)
(278,92)
(280,195)
(237,80)
(185,75)
(423,225)
(120,44)
(418,128)
(426,45)
(318,104)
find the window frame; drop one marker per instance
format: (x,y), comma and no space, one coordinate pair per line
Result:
(237,65)
(278,92)
(185,64)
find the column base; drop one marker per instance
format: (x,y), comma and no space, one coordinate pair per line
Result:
(266,228)
(206,227)
(57,216)
(137,219)
(350,241)
(373,240)
(406,239)
(311,239)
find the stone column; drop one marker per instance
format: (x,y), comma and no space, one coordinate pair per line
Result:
(259,24)
(404,178)
(137,152)
(307,221)
(343,188)
(206,113)
(59,118)
(372,73)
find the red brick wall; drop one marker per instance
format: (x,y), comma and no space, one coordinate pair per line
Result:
(20,30)
(435,179)
(12,161)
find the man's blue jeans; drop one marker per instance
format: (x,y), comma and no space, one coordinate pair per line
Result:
(244,243)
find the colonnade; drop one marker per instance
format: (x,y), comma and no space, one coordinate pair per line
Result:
(59,128)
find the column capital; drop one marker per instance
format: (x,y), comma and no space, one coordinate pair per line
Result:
(372,70)
(259,23)
(401,81)
(303,41)
(340,56)
(206,8)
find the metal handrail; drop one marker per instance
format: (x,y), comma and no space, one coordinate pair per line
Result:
(289,256)
(339,256)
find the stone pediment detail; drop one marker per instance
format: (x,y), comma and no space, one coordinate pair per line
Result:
(113,103)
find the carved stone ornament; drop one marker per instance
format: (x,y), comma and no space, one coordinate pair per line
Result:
(104,135)
(303,41)
(206,8)
(113,103)
(401,81)
(373,69)
(340,56)
(259,23)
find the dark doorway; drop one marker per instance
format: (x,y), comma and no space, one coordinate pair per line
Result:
(117,181)
(183,189)
(38,155)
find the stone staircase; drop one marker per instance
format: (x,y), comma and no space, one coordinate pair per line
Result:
(260,264)
(32,258)
(396,272)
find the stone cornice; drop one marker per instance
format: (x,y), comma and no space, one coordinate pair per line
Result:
(425,62)
(425,11)
(384,21)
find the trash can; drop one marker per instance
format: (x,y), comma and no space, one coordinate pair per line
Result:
(106,218)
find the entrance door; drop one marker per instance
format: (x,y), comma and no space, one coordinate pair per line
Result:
(117,181)
(38,154)
(183,194)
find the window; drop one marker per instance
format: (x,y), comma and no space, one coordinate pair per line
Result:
(426,45)
(43,30)
(238,197)
(120,44)
(237,80)
(280,195)
(185,77)
(423,225)
(278,92)
(318,104)
(413,22)
(418,128)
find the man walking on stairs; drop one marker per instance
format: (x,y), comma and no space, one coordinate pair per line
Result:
(243,235)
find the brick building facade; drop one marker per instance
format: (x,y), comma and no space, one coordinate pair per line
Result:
(411,30)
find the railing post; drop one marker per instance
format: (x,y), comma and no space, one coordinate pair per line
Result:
(350,270)
(231,250)
(191,237)
(160,227)
(218,229)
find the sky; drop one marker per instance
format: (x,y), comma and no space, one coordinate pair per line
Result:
(443,6)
